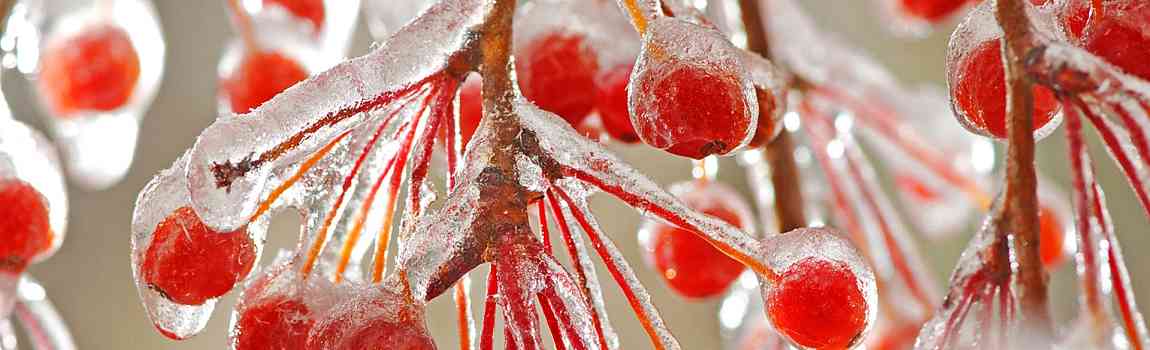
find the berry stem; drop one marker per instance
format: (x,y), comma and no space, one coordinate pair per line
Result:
(1021,198)
(243,24)
(578,256)
(1091,296)
(488,336)
(463,312)
(780,152)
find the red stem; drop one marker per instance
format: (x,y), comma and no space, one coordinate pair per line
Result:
(572,251)
(488,335)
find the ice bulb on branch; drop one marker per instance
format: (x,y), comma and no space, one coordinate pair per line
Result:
(611,102)
(259,77)
(96,66)
(691,266)
(33,205)
(373,317)
(24,221)
(822,295)
(325,24)
(689,94)
(978,89)
(1119,33)
(190,263)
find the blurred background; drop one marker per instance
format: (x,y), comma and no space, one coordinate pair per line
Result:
(90,280)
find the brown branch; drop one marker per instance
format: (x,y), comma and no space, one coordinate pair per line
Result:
(780,152)
(1020,213)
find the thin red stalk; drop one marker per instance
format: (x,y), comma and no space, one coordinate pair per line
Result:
(543,225)
(488,336)
(452,149)
(597,239)
(579,271)
(957,316)
(552,323)
(557,302)
(244,26)
(1089,280)
(1116,149)
(1119,277)
(321,239)
(878,118)
(894,249)
(640,203)
(396,176)
(423,157)
(463,315)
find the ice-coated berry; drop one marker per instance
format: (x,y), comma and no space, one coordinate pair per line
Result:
(309,10)
(259,77)
(692,267)
(979,94)
(1120,35)
(768,126)
(1051,237)
(189,263)
(95,70)
(691,110)
(24,227)
(931,10)
(611,101)
(817,304)
(557,72)
(373,320)
(274,323)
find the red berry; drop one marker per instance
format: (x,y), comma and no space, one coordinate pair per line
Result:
(691,110)
(259,77)
(557,72)
(611,100)
(309,10)
(275,323)
(691,266)
(817,303)
(190,263)
(767,127)
(24,227)
(1121,36)
(95,70)
(980,93)
(1051,237)
(931,10)
(382,321)
(470,107)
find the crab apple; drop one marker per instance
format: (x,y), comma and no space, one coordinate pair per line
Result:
(695,111)
(309,10)
(611,101)
(817,303)
(95,70)
(190,263)
(933,11)
(557,72)
(24,226)
(690,265)
(768,126)
(979,94)
(1120,35)
(274,323)
(1051,237)
(374,320)
(259,77)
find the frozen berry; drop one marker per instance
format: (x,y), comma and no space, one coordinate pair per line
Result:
(979,94)
(557,72)
(95,70)
(470,107)
(691,266)
(275,323)
(611,101)
(931,10)
(374,320)
(259,77)
(690,110)
(190,263)
(1121,36)
(309,10)
(768,125)
(1051,237)
(818,304)
(24,227)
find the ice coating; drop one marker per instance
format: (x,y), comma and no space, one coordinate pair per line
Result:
(563,294)
(281,282)
(38,319)
(676,56)
(337,20)
(916,18)
(165,193)
(234,156)
(578,250)
(27,156)
(293,48)
(385,17)
(373,316)
(590,162)
(98,146)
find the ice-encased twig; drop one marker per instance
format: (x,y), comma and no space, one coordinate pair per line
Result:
(39,319)
(585,271)
(234,156)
